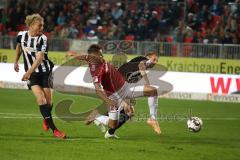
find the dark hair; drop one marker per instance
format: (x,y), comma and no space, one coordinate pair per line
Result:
(94,48)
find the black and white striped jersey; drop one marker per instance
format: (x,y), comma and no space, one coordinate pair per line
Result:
(30,46)
(130,70)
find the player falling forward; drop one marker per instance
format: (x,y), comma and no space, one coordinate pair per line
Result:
(133,71)
(111,86)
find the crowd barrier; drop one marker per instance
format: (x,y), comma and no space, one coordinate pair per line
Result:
(223,51)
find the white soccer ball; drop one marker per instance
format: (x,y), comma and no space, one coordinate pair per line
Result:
(194,124)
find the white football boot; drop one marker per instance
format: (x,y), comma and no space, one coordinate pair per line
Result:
(110,136)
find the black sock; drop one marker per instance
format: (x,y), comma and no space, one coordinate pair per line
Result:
(46,113)
(123,118)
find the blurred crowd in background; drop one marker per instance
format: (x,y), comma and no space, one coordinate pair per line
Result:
(189,21)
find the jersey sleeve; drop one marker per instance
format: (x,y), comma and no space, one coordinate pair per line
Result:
(42,45)
(19,37)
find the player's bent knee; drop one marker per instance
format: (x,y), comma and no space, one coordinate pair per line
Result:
(150,91)
(49,102)
(48,95)
(41,99)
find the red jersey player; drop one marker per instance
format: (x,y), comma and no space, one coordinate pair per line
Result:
(112,87)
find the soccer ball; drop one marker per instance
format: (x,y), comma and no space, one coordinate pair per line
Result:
(194,124)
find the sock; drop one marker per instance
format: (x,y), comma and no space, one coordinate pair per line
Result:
(46,113)
(103,119)
(123,118)
(153,106)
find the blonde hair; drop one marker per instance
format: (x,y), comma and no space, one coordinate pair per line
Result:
(30,19)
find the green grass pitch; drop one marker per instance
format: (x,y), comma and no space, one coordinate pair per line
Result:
(22,137)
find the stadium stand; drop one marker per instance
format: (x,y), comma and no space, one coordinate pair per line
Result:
(214,21)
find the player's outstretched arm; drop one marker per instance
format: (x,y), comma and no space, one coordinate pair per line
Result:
(103,96)
(82,56)
(88,57)
(142,69)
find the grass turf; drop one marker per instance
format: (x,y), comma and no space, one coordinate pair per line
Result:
(22,137)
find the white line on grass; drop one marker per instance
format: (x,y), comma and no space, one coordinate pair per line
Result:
(220,118)
(36,116)
(19,114)
(5,117)
(47,138)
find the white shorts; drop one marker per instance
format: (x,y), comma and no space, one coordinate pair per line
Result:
(128,91)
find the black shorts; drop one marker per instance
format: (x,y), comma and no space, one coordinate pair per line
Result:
(45,80)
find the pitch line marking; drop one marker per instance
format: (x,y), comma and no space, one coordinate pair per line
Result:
(4,115)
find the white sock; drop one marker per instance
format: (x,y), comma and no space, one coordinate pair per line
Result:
(153,106)
(103,119)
